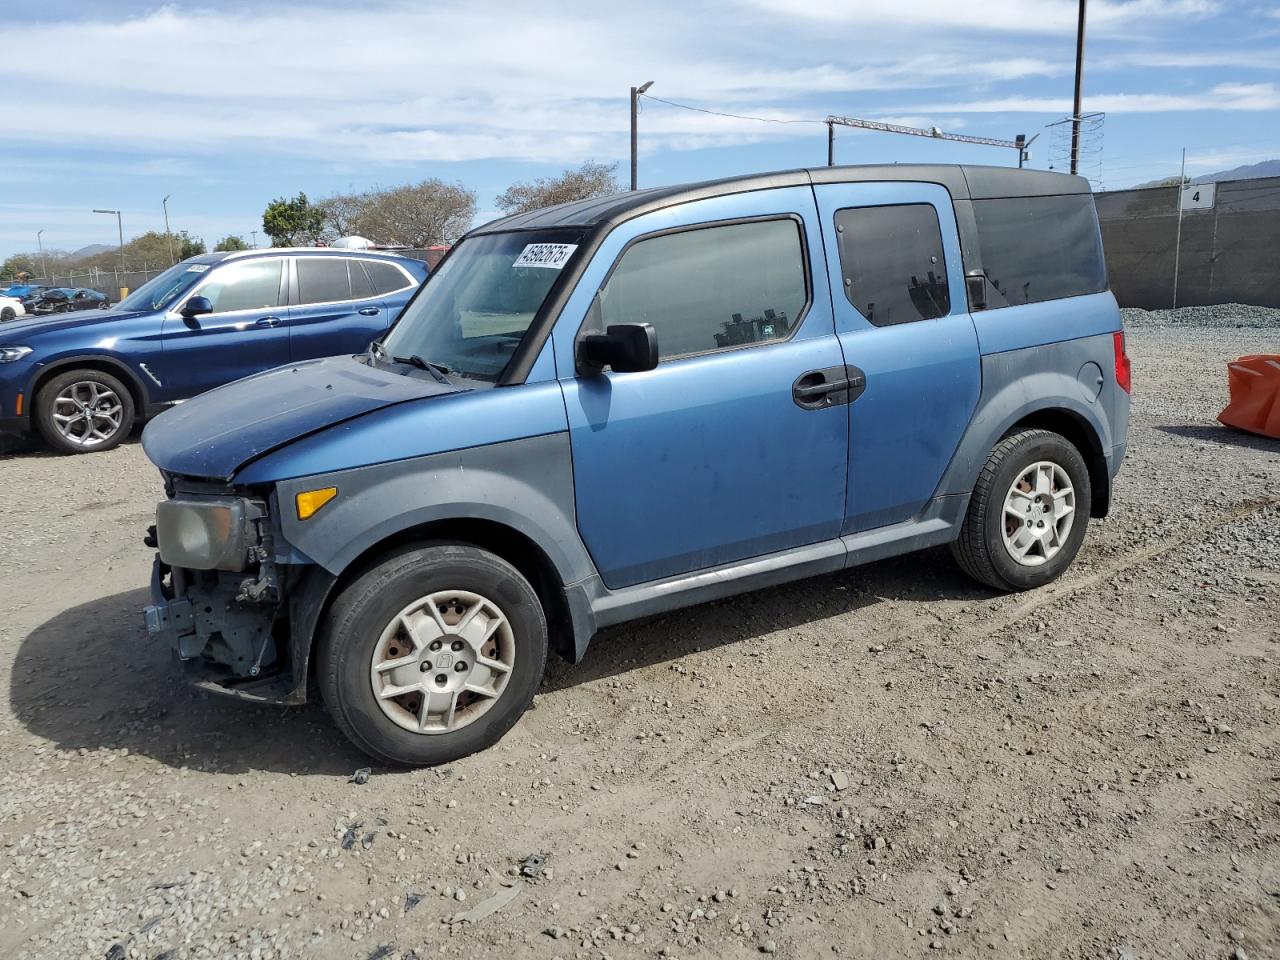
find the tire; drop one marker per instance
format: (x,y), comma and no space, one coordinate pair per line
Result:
(7,314)
(991,536)
(368,625)
(68,394)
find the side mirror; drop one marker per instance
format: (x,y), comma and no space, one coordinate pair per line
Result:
(624,347)
(196,307)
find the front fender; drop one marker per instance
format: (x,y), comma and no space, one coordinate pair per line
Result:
(526,485)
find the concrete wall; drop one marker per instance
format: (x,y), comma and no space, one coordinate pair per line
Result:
(1229,254)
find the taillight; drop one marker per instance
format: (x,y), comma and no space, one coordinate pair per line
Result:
(1124,369)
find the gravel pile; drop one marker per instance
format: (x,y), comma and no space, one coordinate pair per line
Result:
(1239,316)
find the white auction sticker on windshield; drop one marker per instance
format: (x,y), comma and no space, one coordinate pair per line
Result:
(197,268)
(551,255)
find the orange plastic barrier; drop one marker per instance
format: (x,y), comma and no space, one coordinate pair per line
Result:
(1254,383)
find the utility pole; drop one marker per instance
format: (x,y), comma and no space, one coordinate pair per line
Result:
(254,235)
(168,235)
(1177,244)
(636,93)
(44,267)
(120,228)
(1075,111)
(831,144)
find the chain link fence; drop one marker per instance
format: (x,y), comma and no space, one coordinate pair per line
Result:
(107,282)
(1225,250)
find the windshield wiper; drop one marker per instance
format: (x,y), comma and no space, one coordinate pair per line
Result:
(437,370)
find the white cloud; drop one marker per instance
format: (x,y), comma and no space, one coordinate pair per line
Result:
(993,16)
(1225,96)
(400,82)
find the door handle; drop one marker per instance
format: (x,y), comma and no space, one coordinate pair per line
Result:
(819,389)
(268,322)
(370,311)
(815,390)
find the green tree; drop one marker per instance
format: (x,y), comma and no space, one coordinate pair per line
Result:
(230,242)
(290,222)
(189,246)
(589,180)
(17,264)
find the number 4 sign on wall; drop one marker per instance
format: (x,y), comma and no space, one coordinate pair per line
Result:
(1198,196)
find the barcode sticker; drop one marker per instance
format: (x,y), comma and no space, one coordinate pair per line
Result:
(550,255)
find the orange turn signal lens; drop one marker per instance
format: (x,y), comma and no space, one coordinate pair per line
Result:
(309,501)
(18,411)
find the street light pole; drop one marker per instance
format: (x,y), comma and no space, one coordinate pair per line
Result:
(831,144)
(636,93)
(1075,110)
(167,234)
(44,267)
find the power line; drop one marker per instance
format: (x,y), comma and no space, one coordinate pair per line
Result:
(731,116)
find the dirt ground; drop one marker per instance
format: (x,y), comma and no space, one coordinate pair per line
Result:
(887,762)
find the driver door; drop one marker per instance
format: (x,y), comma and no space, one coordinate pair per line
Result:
(717,455)
(245,334)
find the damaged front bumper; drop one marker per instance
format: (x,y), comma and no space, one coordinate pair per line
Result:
(226,638)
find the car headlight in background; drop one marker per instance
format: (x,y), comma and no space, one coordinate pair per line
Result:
(10,354)
(212,534)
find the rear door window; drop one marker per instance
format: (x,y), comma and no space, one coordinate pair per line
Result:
(1039,248)
(361,285)
(713,287)
(892,265)
(323,280)
(244,285)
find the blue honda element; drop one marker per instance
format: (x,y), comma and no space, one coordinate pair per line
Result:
(82,379)
(620,406)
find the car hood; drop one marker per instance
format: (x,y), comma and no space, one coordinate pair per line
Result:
(13,331)
(218,432)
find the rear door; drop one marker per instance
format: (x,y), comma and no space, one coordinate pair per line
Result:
(897,286)
(245,334)
(335,310)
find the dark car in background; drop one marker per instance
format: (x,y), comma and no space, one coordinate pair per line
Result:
(25,292)
(82,379)
(66,300)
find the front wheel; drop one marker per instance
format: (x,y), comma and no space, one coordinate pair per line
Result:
(1028,513)
(433,654)
(84,411)
(8,313)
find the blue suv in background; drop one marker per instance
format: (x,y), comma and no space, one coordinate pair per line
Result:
(82,380)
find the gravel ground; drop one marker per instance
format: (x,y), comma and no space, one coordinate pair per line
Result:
(885,762)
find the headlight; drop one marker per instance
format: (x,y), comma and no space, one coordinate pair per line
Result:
(10,354)
(211,534)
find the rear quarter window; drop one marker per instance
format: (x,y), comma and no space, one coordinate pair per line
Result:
(385,277)
(1035,249)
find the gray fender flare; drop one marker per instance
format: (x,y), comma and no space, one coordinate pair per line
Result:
(1037,393)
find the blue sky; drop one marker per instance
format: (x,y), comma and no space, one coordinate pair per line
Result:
(116,103)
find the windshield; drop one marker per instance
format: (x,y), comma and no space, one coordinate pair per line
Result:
(478,304)
(162,290)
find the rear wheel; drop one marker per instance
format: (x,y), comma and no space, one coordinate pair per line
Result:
(432,655)
(84,411)
(1028,514)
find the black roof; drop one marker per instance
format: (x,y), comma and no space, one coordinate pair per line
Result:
(961,181)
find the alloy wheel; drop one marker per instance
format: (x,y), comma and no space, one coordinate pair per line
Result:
(442,662)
